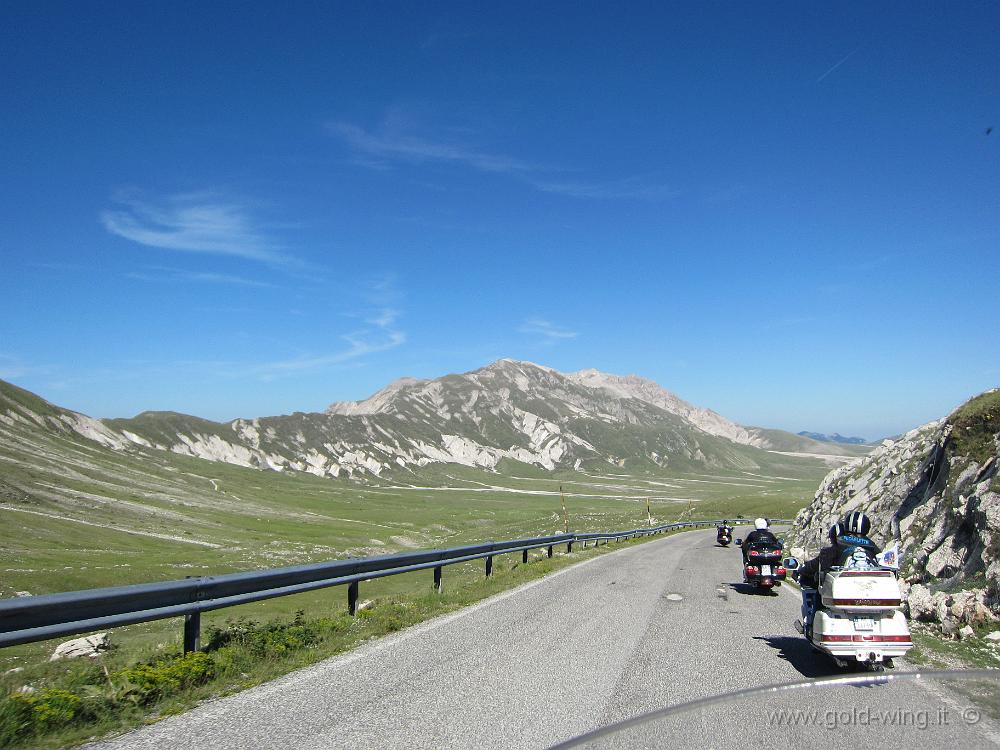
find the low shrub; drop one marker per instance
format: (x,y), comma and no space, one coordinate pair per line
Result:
(26,714)
(267,640)
(145,683)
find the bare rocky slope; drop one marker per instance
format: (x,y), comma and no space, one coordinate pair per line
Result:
(505,414)
(936,491)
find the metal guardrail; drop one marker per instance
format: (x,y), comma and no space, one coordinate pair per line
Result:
(38,618)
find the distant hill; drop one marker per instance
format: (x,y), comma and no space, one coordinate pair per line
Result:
(834,438)
(509,414)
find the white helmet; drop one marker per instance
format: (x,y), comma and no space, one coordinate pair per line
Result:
(760,524)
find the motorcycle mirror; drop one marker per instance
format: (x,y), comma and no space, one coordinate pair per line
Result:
(791,563)
(739,542)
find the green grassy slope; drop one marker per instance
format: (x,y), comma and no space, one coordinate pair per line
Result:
(75,514)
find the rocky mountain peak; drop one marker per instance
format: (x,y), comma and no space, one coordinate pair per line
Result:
(508,411)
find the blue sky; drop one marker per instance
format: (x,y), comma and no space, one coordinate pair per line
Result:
(789,214)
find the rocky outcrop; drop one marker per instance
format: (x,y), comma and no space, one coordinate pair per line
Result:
(936,492)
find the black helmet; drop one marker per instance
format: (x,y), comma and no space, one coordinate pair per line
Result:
(835,531)
(857,523)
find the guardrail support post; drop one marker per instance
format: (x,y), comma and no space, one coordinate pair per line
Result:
(550,550)
(489,566)
(192,632)
(352,598)
(437,579)
(524,556)
(569,547)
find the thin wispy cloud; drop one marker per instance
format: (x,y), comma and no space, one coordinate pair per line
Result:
(388,145)
(545,330)
(837,64)
(384,318)
(194,223)
(379,149)
(631,187)
(12,367)
(379,334)
(176,275)
(359,344)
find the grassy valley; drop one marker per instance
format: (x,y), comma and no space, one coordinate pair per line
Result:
(77,514)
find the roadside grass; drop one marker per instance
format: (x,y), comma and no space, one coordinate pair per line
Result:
(74,701)
(937,651)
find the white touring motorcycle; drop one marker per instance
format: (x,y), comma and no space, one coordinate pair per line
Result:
(856,614)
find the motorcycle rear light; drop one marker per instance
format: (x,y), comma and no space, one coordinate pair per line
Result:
(751,568)
(865,638)
(781,570)
(754,552)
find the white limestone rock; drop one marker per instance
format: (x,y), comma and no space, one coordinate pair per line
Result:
(90,647)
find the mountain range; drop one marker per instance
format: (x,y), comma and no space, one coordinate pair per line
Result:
(834,438)
(508,414)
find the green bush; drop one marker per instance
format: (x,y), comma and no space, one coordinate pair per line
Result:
(26,714)
(271,639)
(145,683)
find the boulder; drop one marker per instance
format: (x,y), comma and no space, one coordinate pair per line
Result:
(921,604)
(90,646)
(966,632)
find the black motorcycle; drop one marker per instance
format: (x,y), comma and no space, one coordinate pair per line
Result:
(763,569)
(723,536)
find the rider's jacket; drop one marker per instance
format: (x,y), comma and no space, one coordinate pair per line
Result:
(758,536)
(809,572)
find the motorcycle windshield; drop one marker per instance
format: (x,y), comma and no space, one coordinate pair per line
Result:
(955,708)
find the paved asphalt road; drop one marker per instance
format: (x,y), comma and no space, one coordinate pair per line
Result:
(618,635)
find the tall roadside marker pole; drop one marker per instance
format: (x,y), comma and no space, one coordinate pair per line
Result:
(565,514)
(649,514)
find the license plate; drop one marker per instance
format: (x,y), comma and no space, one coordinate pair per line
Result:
(765,570)
(864,623)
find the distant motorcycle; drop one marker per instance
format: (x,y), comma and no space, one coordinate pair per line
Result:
(724,536)
(764,569)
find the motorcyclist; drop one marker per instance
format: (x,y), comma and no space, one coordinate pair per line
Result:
(723,533)
(760,534)
(808,574)
(853,523)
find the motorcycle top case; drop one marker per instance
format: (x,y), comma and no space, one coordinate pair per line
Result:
(860,592)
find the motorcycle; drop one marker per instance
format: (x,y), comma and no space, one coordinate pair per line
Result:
(764,569)
(855,616)
(723,536)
